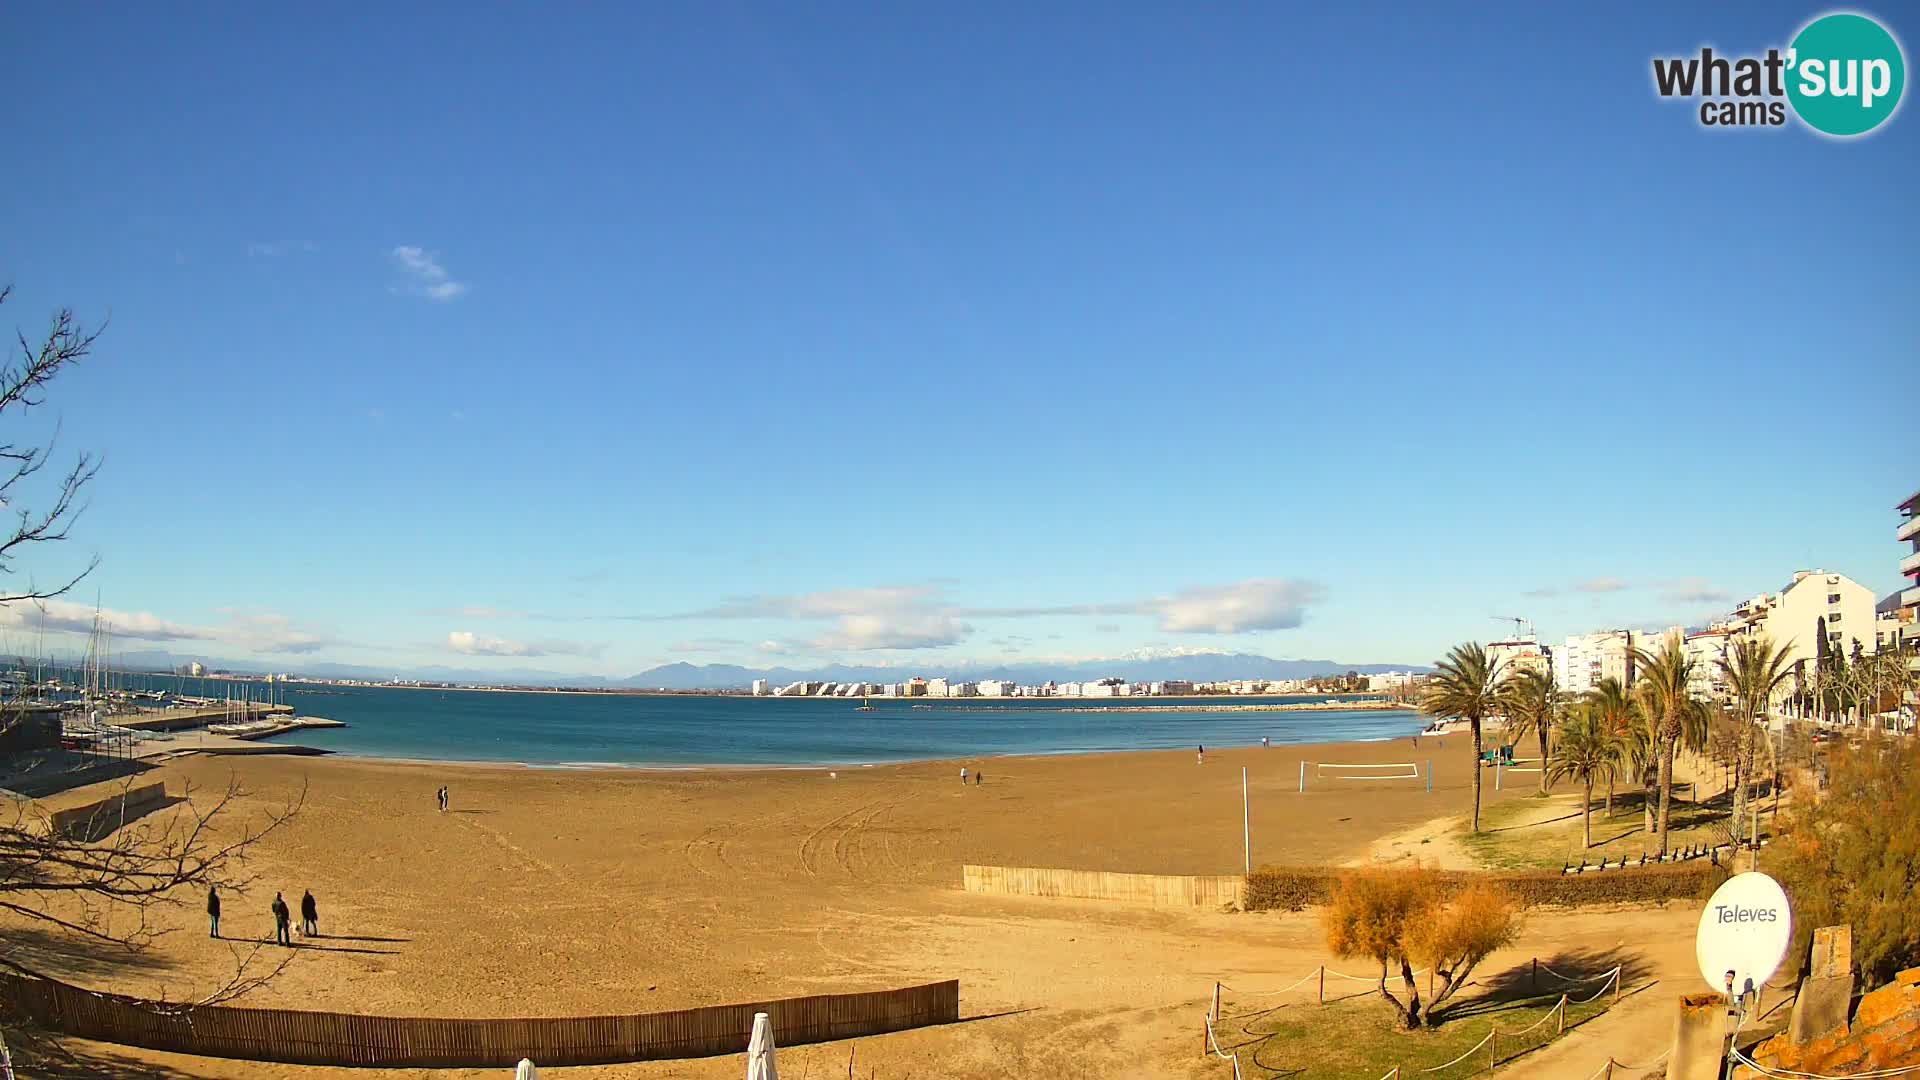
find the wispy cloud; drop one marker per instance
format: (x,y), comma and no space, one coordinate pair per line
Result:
(62,616)
(1693,590)
(265,251)
(1601,585)
(471,644)
(705,645)
(424,275)
(271,632)
(1263,604)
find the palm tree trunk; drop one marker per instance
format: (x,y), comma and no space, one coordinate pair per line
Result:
(1740,779)
(1586,817)
(1666,789)
(1650,787)
(1475,721)
(1543,759)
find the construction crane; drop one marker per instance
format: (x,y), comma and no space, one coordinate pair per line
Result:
(1517,622)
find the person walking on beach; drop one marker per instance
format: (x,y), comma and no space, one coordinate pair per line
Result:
(309,915)
(963,776)
(1200,756)
(213,912)
(1264,742)
(282,921)
(979,778)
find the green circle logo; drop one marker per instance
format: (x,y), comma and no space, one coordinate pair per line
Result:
(1845,74)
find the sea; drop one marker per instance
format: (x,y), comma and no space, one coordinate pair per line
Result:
(596,730)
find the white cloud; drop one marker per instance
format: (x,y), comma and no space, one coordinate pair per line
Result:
(905,629)
(1601,585)
(424,275)
(63,616)
(1259,604)
(273,633)
(466,641)
(1694,590)
(472,644)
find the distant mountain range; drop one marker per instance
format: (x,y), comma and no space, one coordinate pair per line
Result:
(1137,667)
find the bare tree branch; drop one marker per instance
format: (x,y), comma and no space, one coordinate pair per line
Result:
(23,381)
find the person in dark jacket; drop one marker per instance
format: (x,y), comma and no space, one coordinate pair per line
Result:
(213,912)
(282,921)
(309,915)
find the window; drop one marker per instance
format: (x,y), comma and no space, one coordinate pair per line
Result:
(1834,618)
(1833,598)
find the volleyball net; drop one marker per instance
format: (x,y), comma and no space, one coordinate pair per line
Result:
(1334,772)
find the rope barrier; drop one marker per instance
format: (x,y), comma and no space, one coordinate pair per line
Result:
(1213,1045)
(1462,1057)
(1603,988)
(1274,993)
(1580,979)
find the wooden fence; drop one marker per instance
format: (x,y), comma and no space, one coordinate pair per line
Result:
(1210,891)
(407,1042)
(98,819)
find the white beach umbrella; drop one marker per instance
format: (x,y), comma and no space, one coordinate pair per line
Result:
(526,1071)
(760,1050)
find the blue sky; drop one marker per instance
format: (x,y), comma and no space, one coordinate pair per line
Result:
(591,339)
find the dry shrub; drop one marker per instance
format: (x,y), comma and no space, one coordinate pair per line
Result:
(1405,915)
(1283,888)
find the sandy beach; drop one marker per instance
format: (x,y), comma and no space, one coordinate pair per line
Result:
(554,892)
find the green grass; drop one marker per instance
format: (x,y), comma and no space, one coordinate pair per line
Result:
(1360,1038)
(1503,843)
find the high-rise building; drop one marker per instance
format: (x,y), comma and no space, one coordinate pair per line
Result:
(759,688)
(1907,608)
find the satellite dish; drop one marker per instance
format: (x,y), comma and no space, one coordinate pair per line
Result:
(1745,930)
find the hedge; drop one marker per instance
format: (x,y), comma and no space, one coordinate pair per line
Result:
(1291,888)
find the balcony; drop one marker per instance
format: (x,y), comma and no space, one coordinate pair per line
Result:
(1909,529)
(1910,598)
(1910,565)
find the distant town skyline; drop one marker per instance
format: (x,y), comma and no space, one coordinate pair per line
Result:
(784,339)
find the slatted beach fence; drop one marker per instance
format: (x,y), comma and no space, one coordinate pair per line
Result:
(407,1042)
(1170,889)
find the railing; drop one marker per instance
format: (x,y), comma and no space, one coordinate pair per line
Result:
(1609,982)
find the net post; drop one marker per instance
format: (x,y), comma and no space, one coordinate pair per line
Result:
(1533,982)
(1323,984)
(1429,776)
(1563,1014)
(1303,776)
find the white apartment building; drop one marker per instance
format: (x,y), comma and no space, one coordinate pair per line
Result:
(1512,655)
(1907,608)
(1815,605)
(1581,661)
(995,688)
(1385,680)
(759,688)
(936,688)
(1707,649)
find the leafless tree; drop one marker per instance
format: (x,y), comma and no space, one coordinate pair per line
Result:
(23,382)
(101,881)
(92,889)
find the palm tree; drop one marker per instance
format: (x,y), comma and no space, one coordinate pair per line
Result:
(1532,704)
(1674,714)
(1586,750)
(1466,684)
(1755,670)
(1613,707)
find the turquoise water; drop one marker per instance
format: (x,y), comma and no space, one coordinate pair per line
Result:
(573,729)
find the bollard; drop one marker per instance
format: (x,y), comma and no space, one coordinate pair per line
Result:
(1323,984)
(1214,1012)
(1533,981)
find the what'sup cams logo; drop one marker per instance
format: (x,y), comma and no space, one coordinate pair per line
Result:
(1843,75)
